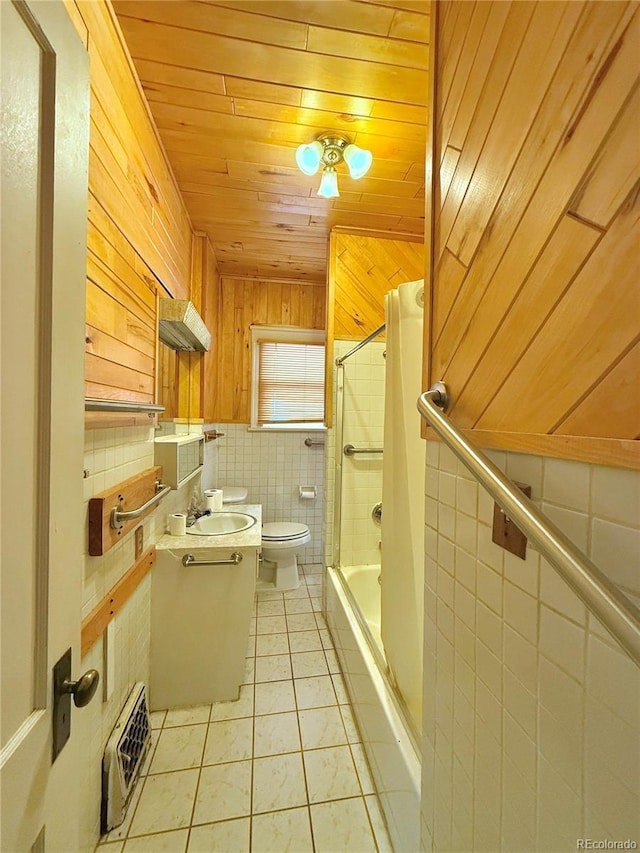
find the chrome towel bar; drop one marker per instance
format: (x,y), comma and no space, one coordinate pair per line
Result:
(350,450)
(619,615)
(310,442)
(119,516)
(234,559)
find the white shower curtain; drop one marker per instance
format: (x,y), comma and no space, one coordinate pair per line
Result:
(403,496)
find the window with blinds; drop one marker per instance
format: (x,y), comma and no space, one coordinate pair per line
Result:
(288,377)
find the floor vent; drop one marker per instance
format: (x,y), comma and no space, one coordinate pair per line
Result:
(123,757)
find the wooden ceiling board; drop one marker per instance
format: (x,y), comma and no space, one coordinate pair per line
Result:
(235,87)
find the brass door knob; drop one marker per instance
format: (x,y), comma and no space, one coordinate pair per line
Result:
(83,690)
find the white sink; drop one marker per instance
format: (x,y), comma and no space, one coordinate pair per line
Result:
(219,523)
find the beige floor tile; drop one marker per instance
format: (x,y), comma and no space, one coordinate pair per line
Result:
(314,582)
(224,792)
(249,670)
(251,647)
(270,594)
(114,847)
(325,637)
(298,605)
(342,827)
(252,626)
(379,826)
(166,842)
(228,836)
(305,641)
(340,688)
(332,660)
(282,832)
(178,749)
(362,768)
(271,625)
(330,774)
(270,607)
(241,707)
(316,604)
(353,735)
(275,734)
(315,692)
(301,622)
(278,783)
(309,664)
(187,716)
(157,719)
(273,668)
(229,740)
(165,803)
(272,644)
(299,592)
(320,622)
(275,697)
(322,727)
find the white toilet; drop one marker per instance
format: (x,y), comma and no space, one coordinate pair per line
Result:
(280,542)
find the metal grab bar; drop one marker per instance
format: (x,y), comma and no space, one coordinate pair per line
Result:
(619,615)
(190,560)
(311,443)
(350,450)
(118,516)
(94,404)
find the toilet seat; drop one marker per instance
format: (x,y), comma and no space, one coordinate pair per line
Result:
(284,531)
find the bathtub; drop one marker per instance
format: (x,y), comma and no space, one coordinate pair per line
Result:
(390,747)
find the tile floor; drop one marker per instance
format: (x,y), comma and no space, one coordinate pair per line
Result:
(282,769)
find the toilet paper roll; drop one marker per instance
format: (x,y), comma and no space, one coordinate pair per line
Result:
(308,493)
(177,524)
(213,499)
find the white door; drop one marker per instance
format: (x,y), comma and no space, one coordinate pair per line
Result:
(44,151)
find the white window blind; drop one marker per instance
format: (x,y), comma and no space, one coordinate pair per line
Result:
(290,382)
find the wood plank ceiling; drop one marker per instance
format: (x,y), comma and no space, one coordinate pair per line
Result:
(235,87)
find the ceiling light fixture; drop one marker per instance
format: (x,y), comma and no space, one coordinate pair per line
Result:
(329,149)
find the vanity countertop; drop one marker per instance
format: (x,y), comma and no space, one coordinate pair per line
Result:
(249,538)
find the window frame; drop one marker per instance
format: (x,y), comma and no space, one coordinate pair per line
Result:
(287,335)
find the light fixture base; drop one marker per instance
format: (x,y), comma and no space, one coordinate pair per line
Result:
(334,145)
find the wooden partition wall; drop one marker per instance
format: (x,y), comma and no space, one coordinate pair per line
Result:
(230,310)
(363,266)
(535,301)
(139,233)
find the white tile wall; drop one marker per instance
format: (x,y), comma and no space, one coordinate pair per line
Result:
(363,426)
(272,465)
(531,737)
(111,456)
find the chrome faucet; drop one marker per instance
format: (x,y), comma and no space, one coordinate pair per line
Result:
(195,514)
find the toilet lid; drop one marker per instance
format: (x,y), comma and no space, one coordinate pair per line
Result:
(283,530)
(234,494)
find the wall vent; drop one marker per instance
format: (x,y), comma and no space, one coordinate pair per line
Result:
(124,755)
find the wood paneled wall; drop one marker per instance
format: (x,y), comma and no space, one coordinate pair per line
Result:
(230,309)
(181,374)
(535,302)
(363,266)
(139,233)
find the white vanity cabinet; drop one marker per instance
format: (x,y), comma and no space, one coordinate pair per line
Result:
(200,617)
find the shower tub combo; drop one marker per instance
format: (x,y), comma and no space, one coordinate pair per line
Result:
(373,605)
(390,746)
